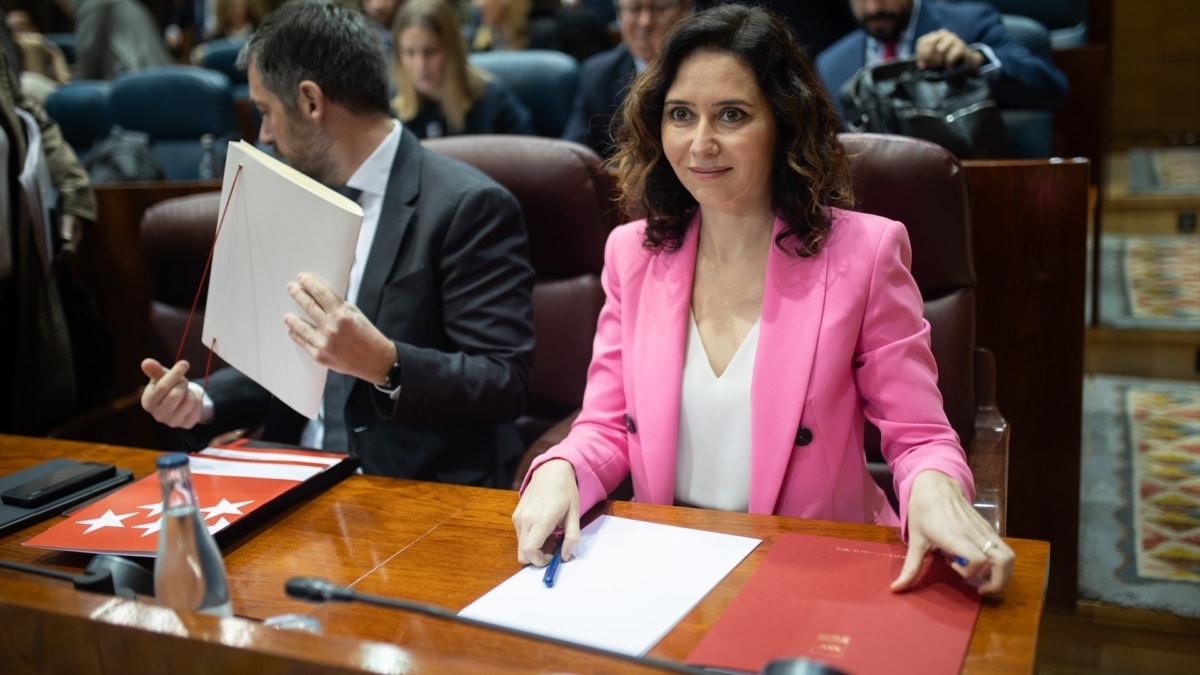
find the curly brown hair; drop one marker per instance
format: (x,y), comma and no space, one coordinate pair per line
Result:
(811,173)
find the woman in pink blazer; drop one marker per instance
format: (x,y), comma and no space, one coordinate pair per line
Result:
(752,323)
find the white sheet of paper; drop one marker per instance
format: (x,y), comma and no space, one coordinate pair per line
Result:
(629,583)
(277,223)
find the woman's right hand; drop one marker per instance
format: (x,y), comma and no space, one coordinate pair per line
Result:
(550,501)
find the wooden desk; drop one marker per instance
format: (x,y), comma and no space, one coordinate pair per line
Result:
(425,542)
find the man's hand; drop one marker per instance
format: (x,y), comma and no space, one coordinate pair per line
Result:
(943,49)
(167,396)
(336,334)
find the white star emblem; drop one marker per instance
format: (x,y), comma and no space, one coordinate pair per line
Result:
(225,507)
(154,509)
(150,527)
(218,526)
(109,519)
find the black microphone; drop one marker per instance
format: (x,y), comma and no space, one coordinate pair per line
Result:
(318,590)
(95,580)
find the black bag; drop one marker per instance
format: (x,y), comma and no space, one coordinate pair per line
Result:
(122,156)
(953,108)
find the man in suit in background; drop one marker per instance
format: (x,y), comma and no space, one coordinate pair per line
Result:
(429,355)
(941,35)
(605,77)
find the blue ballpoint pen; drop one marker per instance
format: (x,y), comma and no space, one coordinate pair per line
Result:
(953,558)
(552,568)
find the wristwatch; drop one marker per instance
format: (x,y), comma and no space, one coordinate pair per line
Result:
(392,383)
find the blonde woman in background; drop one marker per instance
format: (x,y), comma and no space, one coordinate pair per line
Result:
(438,92)
(236,19)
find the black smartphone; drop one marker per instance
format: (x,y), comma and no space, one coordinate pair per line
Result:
(57,483)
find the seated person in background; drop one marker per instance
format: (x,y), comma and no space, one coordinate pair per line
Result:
(429,353)
(438,92)
(604,79)
(941,35)
(114,37)
(750,392)
(43,65)
(235,19)
(198,15)
(537,24)
(382,13)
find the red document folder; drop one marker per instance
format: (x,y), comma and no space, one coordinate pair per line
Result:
(237,487)
(827,599)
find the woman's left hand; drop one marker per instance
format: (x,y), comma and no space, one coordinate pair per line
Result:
(939,517)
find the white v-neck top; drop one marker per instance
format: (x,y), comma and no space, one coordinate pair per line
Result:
(712,464)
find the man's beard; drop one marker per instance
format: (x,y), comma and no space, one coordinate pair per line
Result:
(311,151)
(899,21)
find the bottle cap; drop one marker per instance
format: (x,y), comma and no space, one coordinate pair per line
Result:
(171,460)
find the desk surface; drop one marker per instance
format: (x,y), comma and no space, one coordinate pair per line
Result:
(440,544)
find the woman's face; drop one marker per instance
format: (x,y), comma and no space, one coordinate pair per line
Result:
(422,57)
(489,10)
(718,133)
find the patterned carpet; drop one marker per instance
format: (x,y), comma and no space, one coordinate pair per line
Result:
(1150,281)
(1140,497)
(1164,171)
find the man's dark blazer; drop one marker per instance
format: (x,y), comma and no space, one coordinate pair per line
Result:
(603,81)
(1025,80)
(448,279)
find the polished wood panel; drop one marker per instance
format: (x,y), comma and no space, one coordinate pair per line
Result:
(1156,64)
(439,544)
(1029,222)
(1081,123)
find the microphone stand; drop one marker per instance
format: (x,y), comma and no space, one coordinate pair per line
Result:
(319,590)
(99,581)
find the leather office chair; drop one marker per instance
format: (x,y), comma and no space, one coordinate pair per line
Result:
(82,110)
(1066,20)
(221,55)
(566,196)
(176,236)
(923,186)
(544,81)
(176,105)
(1030,132)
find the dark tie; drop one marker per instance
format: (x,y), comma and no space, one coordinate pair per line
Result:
(337,389)
(887,51)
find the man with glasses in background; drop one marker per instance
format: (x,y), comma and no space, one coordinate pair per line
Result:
(605,77)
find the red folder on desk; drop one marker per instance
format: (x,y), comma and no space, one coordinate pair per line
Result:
(237,487)
(827,599)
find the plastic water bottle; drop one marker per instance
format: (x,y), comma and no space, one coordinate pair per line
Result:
(188,572)
(208,158)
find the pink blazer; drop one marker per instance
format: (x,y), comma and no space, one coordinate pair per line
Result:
(841,337)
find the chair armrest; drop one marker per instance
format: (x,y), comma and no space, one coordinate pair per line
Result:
(552,437)
(987,454)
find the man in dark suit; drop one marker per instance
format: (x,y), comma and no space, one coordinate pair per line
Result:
(940,34)
(605,77)
(429,356)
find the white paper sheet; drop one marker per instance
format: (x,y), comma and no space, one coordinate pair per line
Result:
(278,223)
(629,583)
